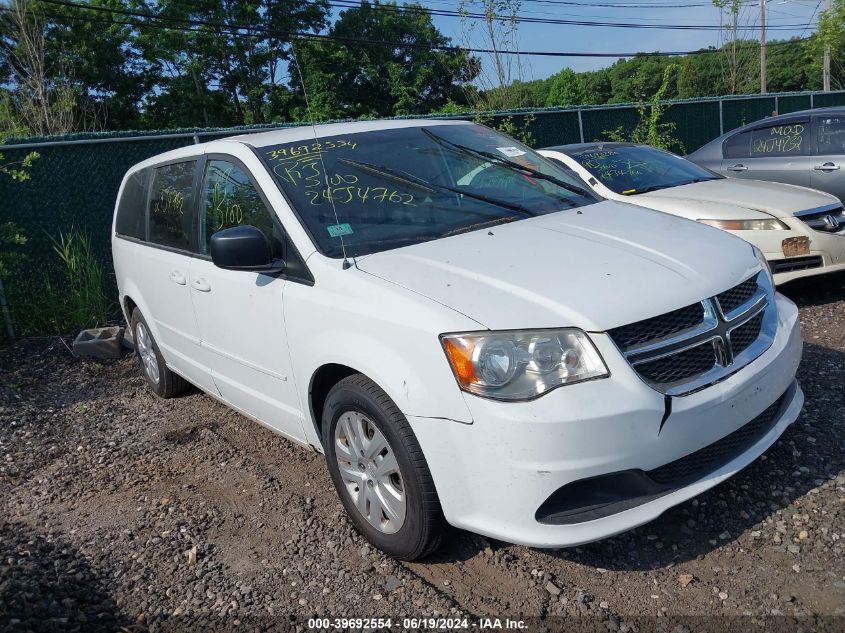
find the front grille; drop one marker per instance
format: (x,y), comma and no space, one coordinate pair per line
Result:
(795,263)
(706,460)
(658,327)
(680,366)
(828,221)
(689,348)
(746,334)
(736,296)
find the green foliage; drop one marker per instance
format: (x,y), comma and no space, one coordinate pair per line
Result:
(71,295)
(830,33)
(376,81)
(11,255)
(650,130)
(521,131)
(566,88)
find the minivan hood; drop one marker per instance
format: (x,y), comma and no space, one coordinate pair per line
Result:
(596,267)
(734,195)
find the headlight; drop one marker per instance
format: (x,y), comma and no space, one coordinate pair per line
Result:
(747,225)
(765,264)
(520,365)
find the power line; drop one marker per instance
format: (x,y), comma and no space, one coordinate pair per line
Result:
(236,29)
(524,19)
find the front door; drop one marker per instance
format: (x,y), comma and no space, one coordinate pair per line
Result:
(240,313)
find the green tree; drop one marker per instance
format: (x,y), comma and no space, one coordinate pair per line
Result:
(362,80)
(566,88)
(830,33)
(229,69)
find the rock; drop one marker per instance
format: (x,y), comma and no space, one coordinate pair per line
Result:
(803,534)
(552,588)
(192,555)
(723,595)
(685,579)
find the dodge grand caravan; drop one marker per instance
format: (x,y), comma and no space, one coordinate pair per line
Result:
(466,334)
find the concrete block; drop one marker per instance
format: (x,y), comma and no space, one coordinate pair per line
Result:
(104,342)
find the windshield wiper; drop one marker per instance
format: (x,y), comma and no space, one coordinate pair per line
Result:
(507,163)
(480,225)
(431,187)
(634,192)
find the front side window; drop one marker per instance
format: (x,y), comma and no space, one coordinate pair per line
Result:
(831,135)
(786,139)
(373,191)
(633,169)
(171,205)
(230,199)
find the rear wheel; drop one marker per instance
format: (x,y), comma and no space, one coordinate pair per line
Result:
(379,470)
(160,379)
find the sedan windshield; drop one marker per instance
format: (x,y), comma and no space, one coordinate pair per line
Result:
(373,191)
(633,169)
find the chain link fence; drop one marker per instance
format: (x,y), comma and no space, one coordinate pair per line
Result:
(75,181)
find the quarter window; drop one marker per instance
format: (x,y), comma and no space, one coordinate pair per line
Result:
(230,199)
(131,218)
(171,205)
(831,135)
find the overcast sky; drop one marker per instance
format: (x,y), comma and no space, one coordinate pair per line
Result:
(555,37)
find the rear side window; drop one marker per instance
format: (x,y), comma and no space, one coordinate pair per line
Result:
(831,135)
(786,139)
(131,219)
(172,217)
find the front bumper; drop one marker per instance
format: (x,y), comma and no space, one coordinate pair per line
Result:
(492,476)
(827,250)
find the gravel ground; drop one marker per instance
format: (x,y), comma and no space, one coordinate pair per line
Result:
(120,511)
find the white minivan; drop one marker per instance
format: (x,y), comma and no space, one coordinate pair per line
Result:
(468,335)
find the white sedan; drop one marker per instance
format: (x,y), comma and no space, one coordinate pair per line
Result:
(801,231)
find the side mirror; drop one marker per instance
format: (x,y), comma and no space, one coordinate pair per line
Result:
(243,248)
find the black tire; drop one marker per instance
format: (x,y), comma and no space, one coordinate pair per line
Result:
(423,526)
(169,384)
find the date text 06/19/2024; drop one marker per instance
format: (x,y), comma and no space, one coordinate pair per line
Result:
(430,624)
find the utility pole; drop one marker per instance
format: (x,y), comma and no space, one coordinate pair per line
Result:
(826,66)
(763,47)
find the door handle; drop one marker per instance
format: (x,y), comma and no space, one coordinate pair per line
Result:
(739,167)
(201,284)
(178,278)
(827,167)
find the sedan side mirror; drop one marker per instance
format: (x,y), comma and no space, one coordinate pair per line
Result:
(243,248)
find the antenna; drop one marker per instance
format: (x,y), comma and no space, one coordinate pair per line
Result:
(346,263)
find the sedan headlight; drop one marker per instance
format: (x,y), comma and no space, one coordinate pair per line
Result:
(769,224)
(520,365)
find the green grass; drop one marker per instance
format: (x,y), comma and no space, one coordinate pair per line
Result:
(71,295)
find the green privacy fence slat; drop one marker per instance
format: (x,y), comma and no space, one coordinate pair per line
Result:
(793,103)
(74,183)
(737,112)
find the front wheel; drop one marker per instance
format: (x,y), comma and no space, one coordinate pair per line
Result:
(379,470)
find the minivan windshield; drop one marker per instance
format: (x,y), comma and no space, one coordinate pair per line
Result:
(633,169)
(373,191)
